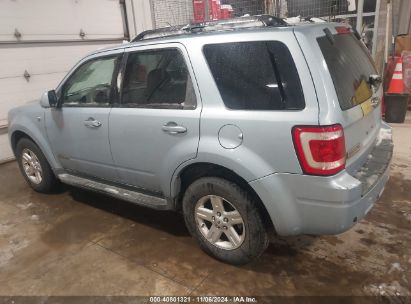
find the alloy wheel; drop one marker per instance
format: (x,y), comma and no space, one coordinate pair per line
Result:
(220,222)
(31,166)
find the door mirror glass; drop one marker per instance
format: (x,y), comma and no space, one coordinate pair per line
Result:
(52,96)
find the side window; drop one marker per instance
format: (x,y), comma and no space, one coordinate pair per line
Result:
(91,85)
(258,75)
(157,79)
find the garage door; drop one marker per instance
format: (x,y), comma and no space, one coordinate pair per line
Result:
(48,20)
(29,70)
(41,40)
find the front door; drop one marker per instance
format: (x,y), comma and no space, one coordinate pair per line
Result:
(78,128)
(156,126)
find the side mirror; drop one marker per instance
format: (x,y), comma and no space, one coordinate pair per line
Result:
(52,96)
(49,99)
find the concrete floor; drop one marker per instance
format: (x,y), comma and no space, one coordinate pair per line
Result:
(81,243)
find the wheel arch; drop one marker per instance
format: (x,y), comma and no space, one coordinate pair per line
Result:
(18,133)
(194,171)
(16,136)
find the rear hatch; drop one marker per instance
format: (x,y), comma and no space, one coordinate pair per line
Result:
(342,67)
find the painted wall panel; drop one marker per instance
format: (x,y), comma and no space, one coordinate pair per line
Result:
(47,65)
(139,16)
(50,44)
(5,149)
(43,58)
(60,20)
(13,95)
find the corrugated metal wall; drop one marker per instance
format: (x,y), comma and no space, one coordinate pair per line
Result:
(172,12)
(404,18)
(316,8)
(251,7)
(176,12)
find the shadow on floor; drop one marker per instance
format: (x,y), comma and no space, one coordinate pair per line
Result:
(173,223)
(170,221)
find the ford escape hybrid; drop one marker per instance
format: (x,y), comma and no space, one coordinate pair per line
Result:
(247,126)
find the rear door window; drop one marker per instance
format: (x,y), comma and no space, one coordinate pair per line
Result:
(258,75)
(350,66)
(158,79)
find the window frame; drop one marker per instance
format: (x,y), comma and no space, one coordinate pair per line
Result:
(157,48)
(275,72)
(114,82)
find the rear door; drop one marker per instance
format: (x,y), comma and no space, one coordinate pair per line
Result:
(156,126)
(342,67)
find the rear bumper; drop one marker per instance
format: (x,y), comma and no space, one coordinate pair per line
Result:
(303,204)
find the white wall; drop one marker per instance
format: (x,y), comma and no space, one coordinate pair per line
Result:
(47,64)
(60,19)
(5,149)
(139,16)
(48,45)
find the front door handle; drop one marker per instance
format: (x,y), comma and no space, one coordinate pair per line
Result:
(172,128)
(92,123)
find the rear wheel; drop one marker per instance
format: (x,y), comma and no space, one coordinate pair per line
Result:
(225,220)
(34,166)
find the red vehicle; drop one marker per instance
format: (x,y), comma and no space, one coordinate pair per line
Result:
(216,10)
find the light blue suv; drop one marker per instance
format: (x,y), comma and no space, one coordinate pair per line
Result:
(248,126)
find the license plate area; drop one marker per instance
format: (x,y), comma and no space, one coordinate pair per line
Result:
(377,162)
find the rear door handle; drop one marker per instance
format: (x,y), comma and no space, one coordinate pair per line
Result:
(92,123)
(173,128)
(375,101)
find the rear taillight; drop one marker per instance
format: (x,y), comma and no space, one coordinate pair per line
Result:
(320,150)
(342,30)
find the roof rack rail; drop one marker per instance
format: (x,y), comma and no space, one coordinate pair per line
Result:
(211,26)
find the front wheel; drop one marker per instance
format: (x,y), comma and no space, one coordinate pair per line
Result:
(34,166)
(225,220)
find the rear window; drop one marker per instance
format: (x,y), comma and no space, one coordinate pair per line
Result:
(258,75)
(350,66)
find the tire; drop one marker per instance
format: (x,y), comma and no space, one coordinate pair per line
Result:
(48,181)
(207,193)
